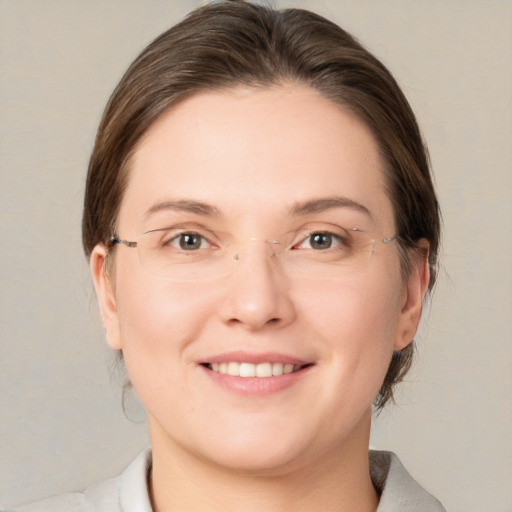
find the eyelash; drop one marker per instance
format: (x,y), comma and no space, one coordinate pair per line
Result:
(334,238)
(176,238)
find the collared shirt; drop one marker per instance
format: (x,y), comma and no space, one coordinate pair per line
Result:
(399,492)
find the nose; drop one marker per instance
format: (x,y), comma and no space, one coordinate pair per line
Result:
(257,291)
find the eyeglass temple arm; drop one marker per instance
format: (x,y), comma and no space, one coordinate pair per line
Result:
(116,240)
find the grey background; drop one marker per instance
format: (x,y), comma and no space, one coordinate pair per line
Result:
(61,421)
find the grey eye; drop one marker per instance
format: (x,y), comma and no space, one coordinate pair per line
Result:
(321,240)
(190,241)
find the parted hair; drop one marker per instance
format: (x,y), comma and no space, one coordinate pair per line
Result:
(238,43)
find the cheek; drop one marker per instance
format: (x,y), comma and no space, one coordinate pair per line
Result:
(159,323)
(357,324)
(368,309)
(158,318)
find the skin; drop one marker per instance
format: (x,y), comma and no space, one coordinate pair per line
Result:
(254,155)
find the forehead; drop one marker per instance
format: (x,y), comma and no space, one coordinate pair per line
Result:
(249,148)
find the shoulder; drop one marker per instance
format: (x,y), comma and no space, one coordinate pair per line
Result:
(128,493)
(100,497)
(69,502)
(399,491)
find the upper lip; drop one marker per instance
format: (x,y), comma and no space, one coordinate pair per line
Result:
(241,356)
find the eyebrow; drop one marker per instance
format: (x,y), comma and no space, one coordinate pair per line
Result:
(299,209)
(327,203)
(185,205)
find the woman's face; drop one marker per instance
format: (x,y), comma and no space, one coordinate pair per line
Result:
(238,171)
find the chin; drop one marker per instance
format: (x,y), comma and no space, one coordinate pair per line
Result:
(260,458)
(264,449)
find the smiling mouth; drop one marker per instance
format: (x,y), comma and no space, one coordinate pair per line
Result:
(262,370)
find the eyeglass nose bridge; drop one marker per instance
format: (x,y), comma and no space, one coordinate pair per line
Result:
(272,243)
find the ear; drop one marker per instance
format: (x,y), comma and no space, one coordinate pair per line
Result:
(414,293)
(105,293)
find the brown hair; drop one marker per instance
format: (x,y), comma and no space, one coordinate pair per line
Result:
(232,43)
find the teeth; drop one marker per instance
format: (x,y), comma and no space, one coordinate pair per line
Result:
(263,370)
(277,369)
(253,370)
(233,369)
(247,370)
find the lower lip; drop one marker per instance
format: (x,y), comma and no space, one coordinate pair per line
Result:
(256,386)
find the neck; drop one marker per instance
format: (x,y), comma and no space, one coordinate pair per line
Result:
(339,481)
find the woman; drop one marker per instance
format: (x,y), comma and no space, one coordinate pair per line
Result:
(262,230)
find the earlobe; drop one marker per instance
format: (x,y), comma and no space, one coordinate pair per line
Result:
(105,294)
(414,293)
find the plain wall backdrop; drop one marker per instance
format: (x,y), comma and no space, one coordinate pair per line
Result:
(61,420)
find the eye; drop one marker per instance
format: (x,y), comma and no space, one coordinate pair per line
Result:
(320,240)
(189,241)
